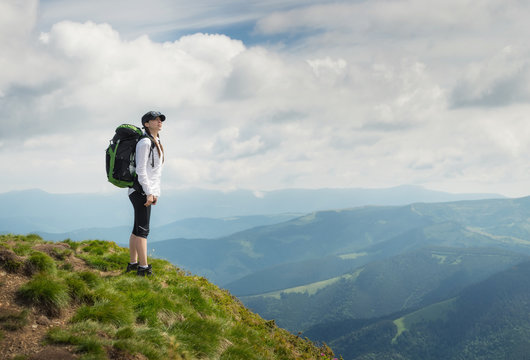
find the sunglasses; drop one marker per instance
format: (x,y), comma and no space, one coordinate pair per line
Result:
(155,113)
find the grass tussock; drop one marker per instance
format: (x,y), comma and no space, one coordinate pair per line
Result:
(45,292)
(10,262)
(103,255)
(171,315)
(40,262)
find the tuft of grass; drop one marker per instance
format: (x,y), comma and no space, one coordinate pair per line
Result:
(99,247)
(91,279)
(13,266)
(74,245)
(126,332)
(67,267)
(103,255)
(30,238)
(22,249)
(85,337)
(151,302)
(81,285)
(49,294)
(200,336)
(106,312)
(110,307)
(78,290)
(40,262)
(61,254)
(10,261)
(33,238)
(106,262)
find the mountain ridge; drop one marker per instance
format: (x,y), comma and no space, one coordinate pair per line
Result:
(496,222)
(60,213)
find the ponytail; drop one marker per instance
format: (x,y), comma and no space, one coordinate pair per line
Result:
(158,144)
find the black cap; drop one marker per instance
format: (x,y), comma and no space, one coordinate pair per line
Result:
(153,115)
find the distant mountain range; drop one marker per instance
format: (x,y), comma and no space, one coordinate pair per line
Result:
(348,238)
(92,214)
(188,228)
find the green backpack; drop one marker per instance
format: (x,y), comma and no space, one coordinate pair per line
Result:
(120,155)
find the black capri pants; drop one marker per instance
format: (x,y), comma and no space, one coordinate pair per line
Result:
(142,214)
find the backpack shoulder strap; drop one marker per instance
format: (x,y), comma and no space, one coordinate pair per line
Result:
(150,138)
(151,154)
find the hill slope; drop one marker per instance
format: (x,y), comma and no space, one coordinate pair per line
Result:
(75,298)
(488,320)
(402,282)
(375,232)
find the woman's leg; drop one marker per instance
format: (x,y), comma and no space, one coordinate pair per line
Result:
(132,249)
(138,240)
(141,250)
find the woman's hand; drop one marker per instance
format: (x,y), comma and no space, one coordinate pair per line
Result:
(151,200)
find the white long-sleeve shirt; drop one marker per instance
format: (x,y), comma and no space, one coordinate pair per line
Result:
(148,175)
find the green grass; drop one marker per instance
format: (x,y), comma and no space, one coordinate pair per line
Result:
(74,245)
(47,293)
(81,284)
(61,254)
(106,311)
(103,255)
(12,265)
(429,313)
(86,336)
(22,249)
(171,315)
(309,289)
(40,262)
(200,336)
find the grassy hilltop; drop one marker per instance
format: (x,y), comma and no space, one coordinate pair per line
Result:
(71,300)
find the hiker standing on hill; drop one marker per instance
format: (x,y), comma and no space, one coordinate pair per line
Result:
(145,192)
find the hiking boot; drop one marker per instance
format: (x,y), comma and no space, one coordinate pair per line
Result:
(131,267)
(144,271)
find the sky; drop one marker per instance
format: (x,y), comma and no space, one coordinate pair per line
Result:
(266,95)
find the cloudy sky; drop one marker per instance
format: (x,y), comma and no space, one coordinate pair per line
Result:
(266,95)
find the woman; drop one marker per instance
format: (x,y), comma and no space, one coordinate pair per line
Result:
(149,160)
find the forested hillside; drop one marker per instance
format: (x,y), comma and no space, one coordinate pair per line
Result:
(409,281)
(489,320)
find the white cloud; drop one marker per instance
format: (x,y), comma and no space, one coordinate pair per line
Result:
(359,94)
(499,80)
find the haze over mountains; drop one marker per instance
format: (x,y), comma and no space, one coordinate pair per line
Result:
(38,211)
